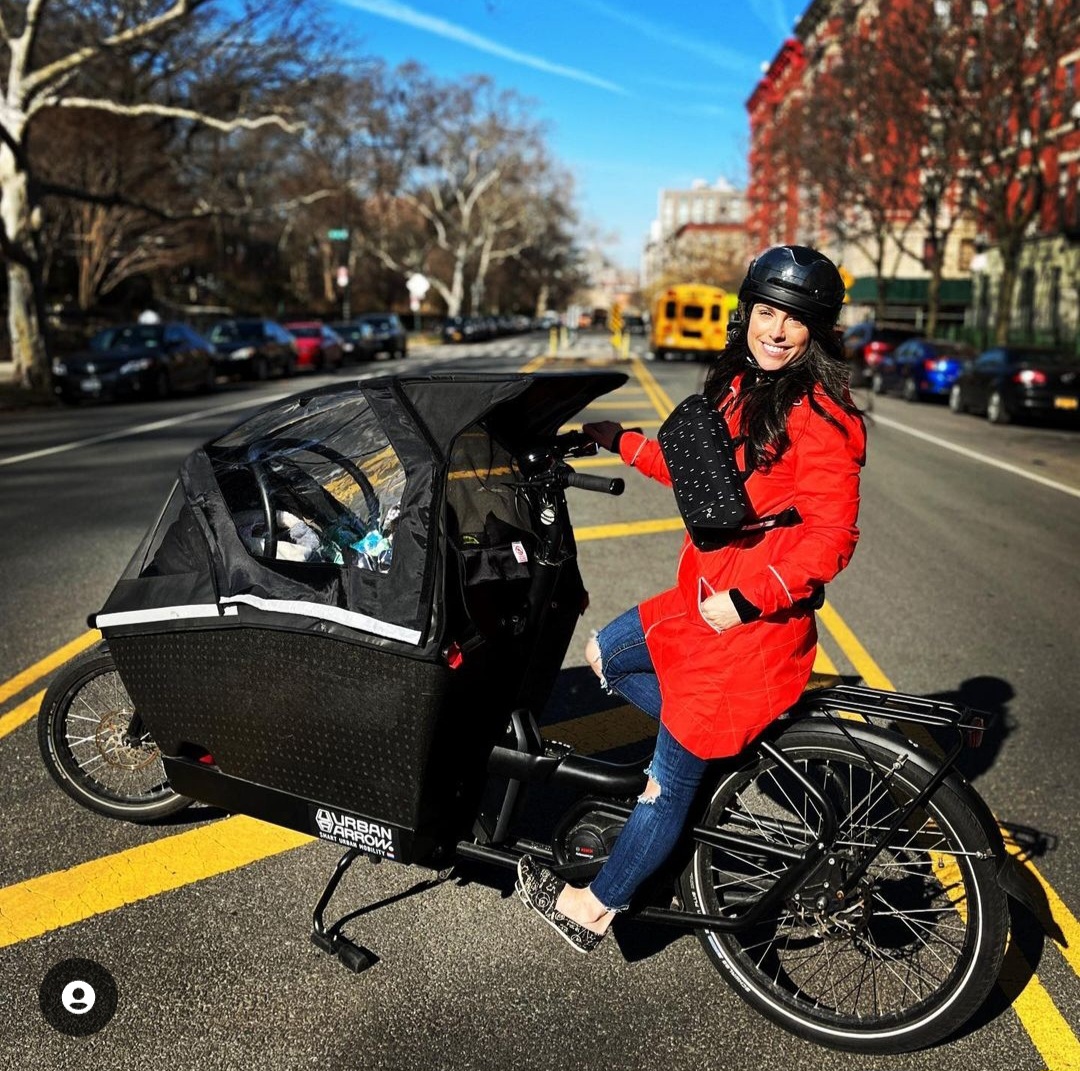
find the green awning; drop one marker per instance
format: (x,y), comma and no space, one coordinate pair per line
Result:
(909,291)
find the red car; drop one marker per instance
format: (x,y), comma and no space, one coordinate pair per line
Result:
(318,347)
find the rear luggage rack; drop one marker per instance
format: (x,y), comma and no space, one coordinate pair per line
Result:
(874,703)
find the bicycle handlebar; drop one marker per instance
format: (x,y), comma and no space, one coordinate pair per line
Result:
(605,486)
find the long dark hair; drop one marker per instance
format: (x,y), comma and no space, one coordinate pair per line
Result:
(765,398)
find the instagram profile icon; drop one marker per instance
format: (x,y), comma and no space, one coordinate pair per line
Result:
(77,997)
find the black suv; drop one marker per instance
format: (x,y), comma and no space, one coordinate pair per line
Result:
(867,344)
(387,333)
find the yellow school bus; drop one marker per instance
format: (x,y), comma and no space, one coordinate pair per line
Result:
(689,322)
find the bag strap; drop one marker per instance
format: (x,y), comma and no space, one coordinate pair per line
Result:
(787,518)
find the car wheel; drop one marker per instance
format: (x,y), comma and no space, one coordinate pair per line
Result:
(956,399)
(996,412)
(911,390)
(877,383)
(398,353)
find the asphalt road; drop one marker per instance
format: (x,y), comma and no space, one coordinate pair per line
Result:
(965,584)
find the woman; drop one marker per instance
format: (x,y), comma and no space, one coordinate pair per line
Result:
(730,647)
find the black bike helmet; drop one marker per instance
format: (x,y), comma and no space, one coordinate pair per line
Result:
(797,279)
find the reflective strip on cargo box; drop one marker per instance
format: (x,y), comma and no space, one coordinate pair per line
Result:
(161,613)
(349,618)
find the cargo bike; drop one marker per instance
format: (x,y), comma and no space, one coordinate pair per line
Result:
(348,620)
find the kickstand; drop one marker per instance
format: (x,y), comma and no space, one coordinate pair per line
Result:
(332,940)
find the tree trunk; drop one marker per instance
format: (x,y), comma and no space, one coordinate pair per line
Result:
(1006,286)
(24,326)
(933,296)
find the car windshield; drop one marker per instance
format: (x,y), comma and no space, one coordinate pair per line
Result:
(131,336)
(306,332)
(242,331)
(952,349)
(350,331)
(380,323)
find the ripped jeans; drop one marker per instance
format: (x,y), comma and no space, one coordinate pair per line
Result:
(656,822)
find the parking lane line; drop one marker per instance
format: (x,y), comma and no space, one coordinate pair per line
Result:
(46,665)
(974,455)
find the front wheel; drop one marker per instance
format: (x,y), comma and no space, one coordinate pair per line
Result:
(910,953)
(95,746)
(956,399)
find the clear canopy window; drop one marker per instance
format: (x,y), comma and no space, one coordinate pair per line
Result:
(322,488)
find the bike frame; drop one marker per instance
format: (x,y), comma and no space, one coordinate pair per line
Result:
(528,760)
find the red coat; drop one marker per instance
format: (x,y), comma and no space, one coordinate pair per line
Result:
(719,690)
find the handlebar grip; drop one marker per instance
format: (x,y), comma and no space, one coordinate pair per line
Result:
(596,483)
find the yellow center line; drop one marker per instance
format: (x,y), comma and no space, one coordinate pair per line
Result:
(50,662)
(21,714)
(1040,1017)
(34,907)
(657,395)
(628,528)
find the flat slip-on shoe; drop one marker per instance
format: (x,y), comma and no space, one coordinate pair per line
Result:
(539,889)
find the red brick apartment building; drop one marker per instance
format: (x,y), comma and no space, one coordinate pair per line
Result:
(933,148)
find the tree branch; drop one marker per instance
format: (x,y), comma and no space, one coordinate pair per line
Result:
(180,10)
(168,111)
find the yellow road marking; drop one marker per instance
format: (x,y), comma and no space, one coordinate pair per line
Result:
(628,528)
(21,714)
(34,907)
(50,662)
(1044,1023)
(657,395)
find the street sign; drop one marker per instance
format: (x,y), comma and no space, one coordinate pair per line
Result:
(417,285)
(338,234)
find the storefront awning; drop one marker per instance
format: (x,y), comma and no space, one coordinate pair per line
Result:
(909,291)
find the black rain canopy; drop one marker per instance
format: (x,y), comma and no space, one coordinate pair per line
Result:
(326,511)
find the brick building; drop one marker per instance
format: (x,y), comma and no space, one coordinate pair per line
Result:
(934,220)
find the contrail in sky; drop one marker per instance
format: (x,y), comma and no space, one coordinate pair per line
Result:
(390,9)
(714,53)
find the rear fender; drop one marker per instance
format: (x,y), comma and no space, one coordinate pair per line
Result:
(1008,875)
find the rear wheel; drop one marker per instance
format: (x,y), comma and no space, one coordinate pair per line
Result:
(996,410)
(914,949)
(95,746)
(877,383)
(911,390)
(956,399)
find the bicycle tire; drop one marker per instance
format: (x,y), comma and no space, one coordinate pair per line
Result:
(94,763)
(913,955)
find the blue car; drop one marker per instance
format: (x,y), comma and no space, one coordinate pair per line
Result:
(921,368)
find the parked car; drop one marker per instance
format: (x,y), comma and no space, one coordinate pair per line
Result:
(921,368)
(358,342)
(136,360)
(466,329)
(635,325)
(867,344)
(388,332)
(253,348)
(1012,382)
(318,347)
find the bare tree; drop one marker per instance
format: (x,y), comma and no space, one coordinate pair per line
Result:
(65,55)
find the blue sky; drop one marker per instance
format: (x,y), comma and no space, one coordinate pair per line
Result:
(637,96)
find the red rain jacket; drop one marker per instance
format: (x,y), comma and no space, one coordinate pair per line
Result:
(719,690)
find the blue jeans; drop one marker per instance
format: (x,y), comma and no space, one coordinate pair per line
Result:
(655,823)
